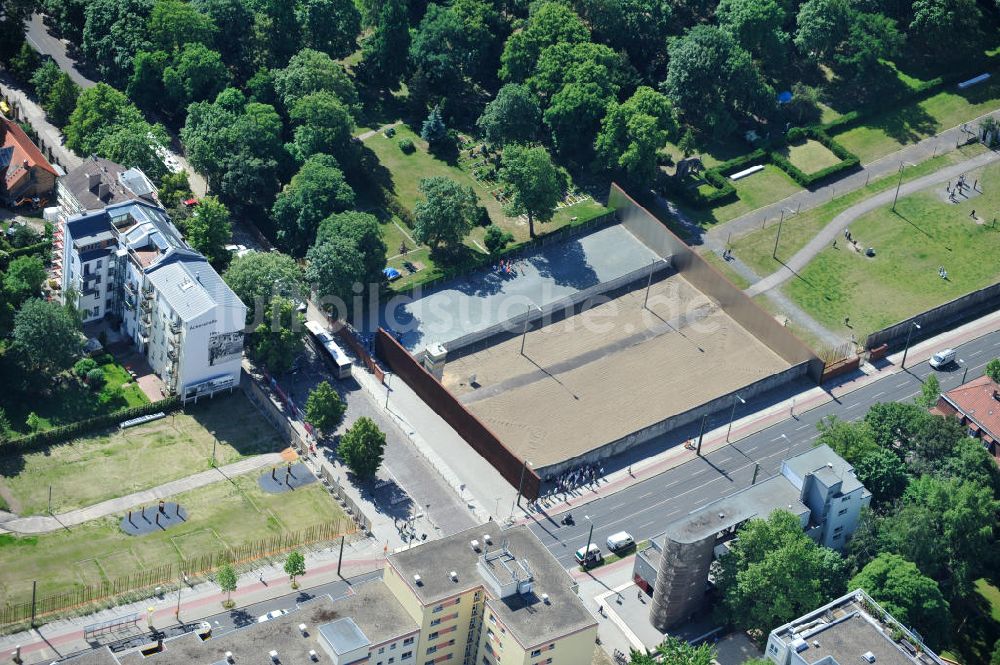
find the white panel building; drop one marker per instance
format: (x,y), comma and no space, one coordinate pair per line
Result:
(129,264)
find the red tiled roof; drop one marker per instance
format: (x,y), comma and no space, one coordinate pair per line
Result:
(979,401)
(24,150)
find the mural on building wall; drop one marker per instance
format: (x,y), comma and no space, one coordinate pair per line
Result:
(223,347)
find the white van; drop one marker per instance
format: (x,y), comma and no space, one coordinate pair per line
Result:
(942,358)
(620,541)
(589,556)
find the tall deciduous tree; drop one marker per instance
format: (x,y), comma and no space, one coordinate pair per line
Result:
(893,424)
(197,73)
(234,34)
(538,184)
(550,23)
(226,578)
(317,191)
(849,440)
(757,25)
(259,276)
(324,408)
(384,47)
(174,23)
(638,27)
(47,336)
(512,117)
(446,215)
(295,566)
(13,14)
(99,110)
(210,229)
(114,32)
(633,132)
(911,598)
(883,474)
(574,117)
(929,392)
(331,26)
(312,71)
(364,231)
(278,338)
(947,29)
(335,266)
(323,124)
(361,447)
(822,26)
(23,278)
(774,573)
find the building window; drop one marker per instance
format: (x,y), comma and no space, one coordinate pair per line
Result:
(536,652)
(431,649)
(381,650)
(406,655)
(842,512)
(433,636)
(836,536)
(435,622)
(392,660)
(407,641)
(437,608)
(392,647)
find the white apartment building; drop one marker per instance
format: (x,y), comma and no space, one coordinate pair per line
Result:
(129,264)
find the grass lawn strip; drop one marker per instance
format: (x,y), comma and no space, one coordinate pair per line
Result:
(230,513)
(755,248)
(723,267)
(810,156)
(902,280)
(805,334)
(891,131)
(754,191)
(94,469)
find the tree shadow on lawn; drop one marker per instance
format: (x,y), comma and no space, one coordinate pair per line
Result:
(378,179)
(974,630)
(230,419)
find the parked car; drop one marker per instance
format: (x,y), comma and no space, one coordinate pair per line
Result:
(620,541)
(943,358)
(273,614)
(589,556)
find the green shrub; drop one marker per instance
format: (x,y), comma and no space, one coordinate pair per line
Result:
(389,132)
(105,358)
(84,366)
(406,145)
(848,160)
(496,239)
(396,208)
(95,378)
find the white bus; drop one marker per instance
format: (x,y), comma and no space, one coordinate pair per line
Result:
(334,356)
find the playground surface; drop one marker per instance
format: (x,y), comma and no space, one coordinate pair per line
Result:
(490,296)
(607,372)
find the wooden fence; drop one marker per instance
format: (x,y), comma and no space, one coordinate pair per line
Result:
(142,583)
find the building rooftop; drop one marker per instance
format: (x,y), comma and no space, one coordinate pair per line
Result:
(189,284)
(18,154)
(99,656)
(979,401)
(372,608)
(529,618)
(847,629)
(344,636)
(826,465)
(99,182)
(758,500)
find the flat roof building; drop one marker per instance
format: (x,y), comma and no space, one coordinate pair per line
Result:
(850,629)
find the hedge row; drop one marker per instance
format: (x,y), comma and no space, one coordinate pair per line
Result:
(717,177)
(43,248)
(56,435)
(848,160)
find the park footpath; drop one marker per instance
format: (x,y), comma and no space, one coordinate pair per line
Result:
(46,523)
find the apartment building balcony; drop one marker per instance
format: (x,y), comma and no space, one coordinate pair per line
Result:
(147,305)
(175,328)
(130,287)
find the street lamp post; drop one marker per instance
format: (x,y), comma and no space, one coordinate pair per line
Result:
(909,331)
(902,166)
(590,536)
(966,372)
(701,434)
(732,414)
(520,486)
(777,238)
(524,332)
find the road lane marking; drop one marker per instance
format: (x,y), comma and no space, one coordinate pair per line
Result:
(856,404)
(900,385)
(877,395)
(799,429)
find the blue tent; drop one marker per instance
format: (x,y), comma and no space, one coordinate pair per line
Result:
(391,273)
(784,97)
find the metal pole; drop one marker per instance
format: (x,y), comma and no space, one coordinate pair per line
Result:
(965,373)
(340,557)
(701,434)
(909,331)
(756,468)
(34,588)
(649,283)
(50,499)
(732,415)
(524,333)
(387,391)
(214,442)
(898,183)
(774,254)
(590,536)
(520,486)
(177,612)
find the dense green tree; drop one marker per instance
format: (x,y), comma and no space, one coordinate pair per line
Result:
(226,578)
(237,145)
(757,26)
(512,117)
(993,370)
(24,277)
(174,188)
(197,73)
(893,424)
(948,528)
(44,77)
(114,31)
(883,474)
(633,132)
(932,444)
(929,392)
(911,598)
(335,266)
(550,23)
(210,229)
(174,23)
(323,124)
(277,340)
(234,34)
(382,49)
(362,229)
(312,71)
(433,129)
(325,409)
(134,146)
(774,573)
(145,85)
(259,276)
(66,18)
(947,29)
(330,26)
(317,191)
(822,26)
(47,336)
(871,40)
(713,80)
(537,184)
(674,651)
(361,447)
(849,440)
(99,111)
(60,100)
(295,566)
(275,31)
(574,118)
(496,239)
(13,14)
(442,51)
(447,214)
(638,27)
(583,62)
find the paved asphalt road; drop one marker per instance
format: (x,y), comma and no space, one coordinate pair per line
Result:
(645,508)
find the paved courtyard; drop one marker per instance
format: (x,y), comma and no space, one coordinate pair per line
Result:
(490,296)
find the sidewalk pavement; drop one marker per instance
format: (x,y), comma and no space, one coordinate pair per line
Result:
(50,139)
(198,601)
(833,230)
(779,412)
(47,523)
(946,141)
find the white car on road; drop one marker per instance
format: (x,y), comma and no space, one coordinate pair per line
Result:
(273,614)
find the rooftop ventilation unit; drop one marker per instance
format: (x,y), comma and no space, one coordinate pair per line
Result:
(868,657)
(487,539)
(816,643)
(453,575)
(545,599)
(302,629)
(417,580)
(274,656)
(475,545)
(312,656)
(229,657)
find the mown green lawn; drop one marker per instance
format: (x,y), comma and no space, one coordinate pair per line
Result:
(226,513)
(909,124)
(723,267)
(754,191)
(72,400)
(810,156)
(755,248)
(902,280)
(114,463)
